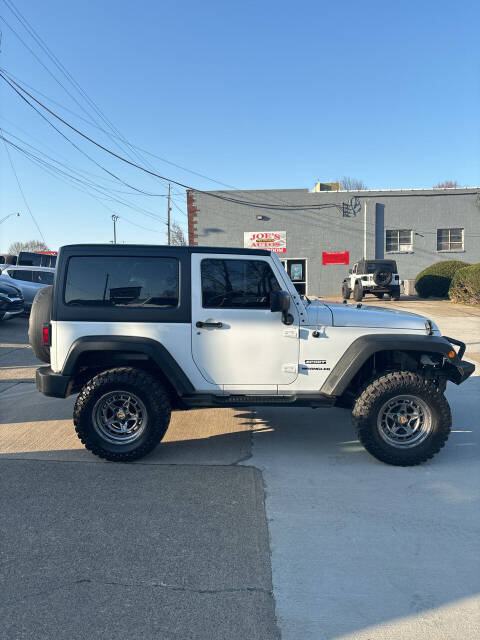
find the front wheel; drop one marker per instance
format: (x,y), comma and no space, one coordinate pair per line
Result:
(346,292)
(402,419)
(122,414)
(358,292)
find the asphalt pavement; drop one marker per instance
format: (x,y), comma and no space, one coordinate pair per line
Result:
(174,546)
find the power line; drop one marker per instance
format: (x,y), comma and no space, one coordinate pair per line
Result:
(54,173)
(250,203)
(134,146)
(71,168)
(178,208)
(53,58)
(270,197)
(43,164)
(141,191)
(21,190)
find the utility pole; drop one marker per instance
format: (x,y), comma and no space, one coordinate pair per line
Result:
(364,229)
(168,216)
(115,218)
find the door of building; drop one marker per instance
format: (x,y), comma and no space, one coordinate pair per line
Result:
(297,272)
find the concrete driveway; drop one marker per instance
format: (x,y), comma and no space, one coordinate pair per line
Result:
(178,545)
(363,550)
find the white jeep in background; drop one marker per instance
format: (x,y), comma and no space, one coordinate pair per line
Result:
(378,277)
(137,331)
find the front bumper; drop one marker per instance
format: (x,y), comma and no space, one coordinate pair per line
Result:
(53,384)
(461,368)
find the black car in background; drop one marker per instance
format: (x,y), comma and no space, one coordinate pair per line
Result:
(11,301)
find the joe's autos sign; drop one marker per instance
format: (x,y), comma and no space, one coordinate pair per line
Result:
(275,241)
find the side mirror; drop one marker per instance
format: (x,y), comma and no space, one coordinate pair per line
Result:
(280,301)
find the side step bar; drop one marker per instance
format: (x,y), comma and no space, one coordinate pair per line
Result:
(235,400)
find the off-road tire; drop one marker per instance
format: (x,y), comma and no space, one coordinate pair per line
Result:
(144,386)
(395,294)
(346,292)
(379,295)
(374,395)
(40,314)
(358,292)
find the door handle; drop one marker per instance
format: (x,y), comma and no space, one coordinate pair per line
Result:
(216,325)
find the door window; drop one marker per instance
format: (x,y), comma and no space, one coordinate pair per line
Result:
(42,277)
(237,284)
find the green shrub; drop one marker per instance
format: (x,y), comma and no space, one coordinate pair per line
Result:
(434,281)
(465,285)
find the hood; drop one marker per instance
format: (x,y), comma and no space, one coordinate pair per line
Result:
(349,315)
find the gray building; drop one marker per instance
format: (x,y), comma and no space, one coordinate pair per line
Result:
(319,235)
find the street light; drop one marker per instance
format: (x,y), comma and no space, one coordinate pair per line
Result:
(115,218)
(9,215)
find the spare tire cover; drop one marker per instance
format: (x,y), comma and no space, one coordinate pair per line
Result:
(40,314)
(382,277)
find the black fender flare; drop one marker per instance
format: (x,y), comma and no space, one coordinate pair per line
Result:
(365,346)
(130,344)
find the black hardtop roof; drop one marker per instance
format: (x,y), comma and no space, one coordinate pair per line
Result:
(150,249)
(376,261)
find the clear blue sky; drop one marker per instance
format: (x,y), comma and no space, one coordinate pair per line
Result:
(255,94)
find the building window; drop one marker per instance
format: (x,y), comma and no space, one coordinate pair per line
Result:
(399,240)
(450,240)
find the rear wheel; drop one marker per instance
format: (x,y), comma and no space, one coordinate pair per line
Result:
(358,293)
(402,419)
(395,293)
(346,292)
(122,414)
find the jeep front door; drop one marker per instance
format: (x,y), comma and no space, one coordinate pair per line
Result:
(236,339)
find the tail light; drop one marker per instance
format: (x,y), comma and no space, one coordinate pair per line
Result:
(46,335)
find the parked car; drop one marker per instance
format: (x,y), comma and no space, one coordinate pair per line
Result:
(140,330)
(29,280)
(378,277)
(11,301)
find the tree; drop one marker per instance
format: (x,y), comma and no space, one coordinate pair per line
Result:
(30,245)
(447,184)
(353,184)
(177,237)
